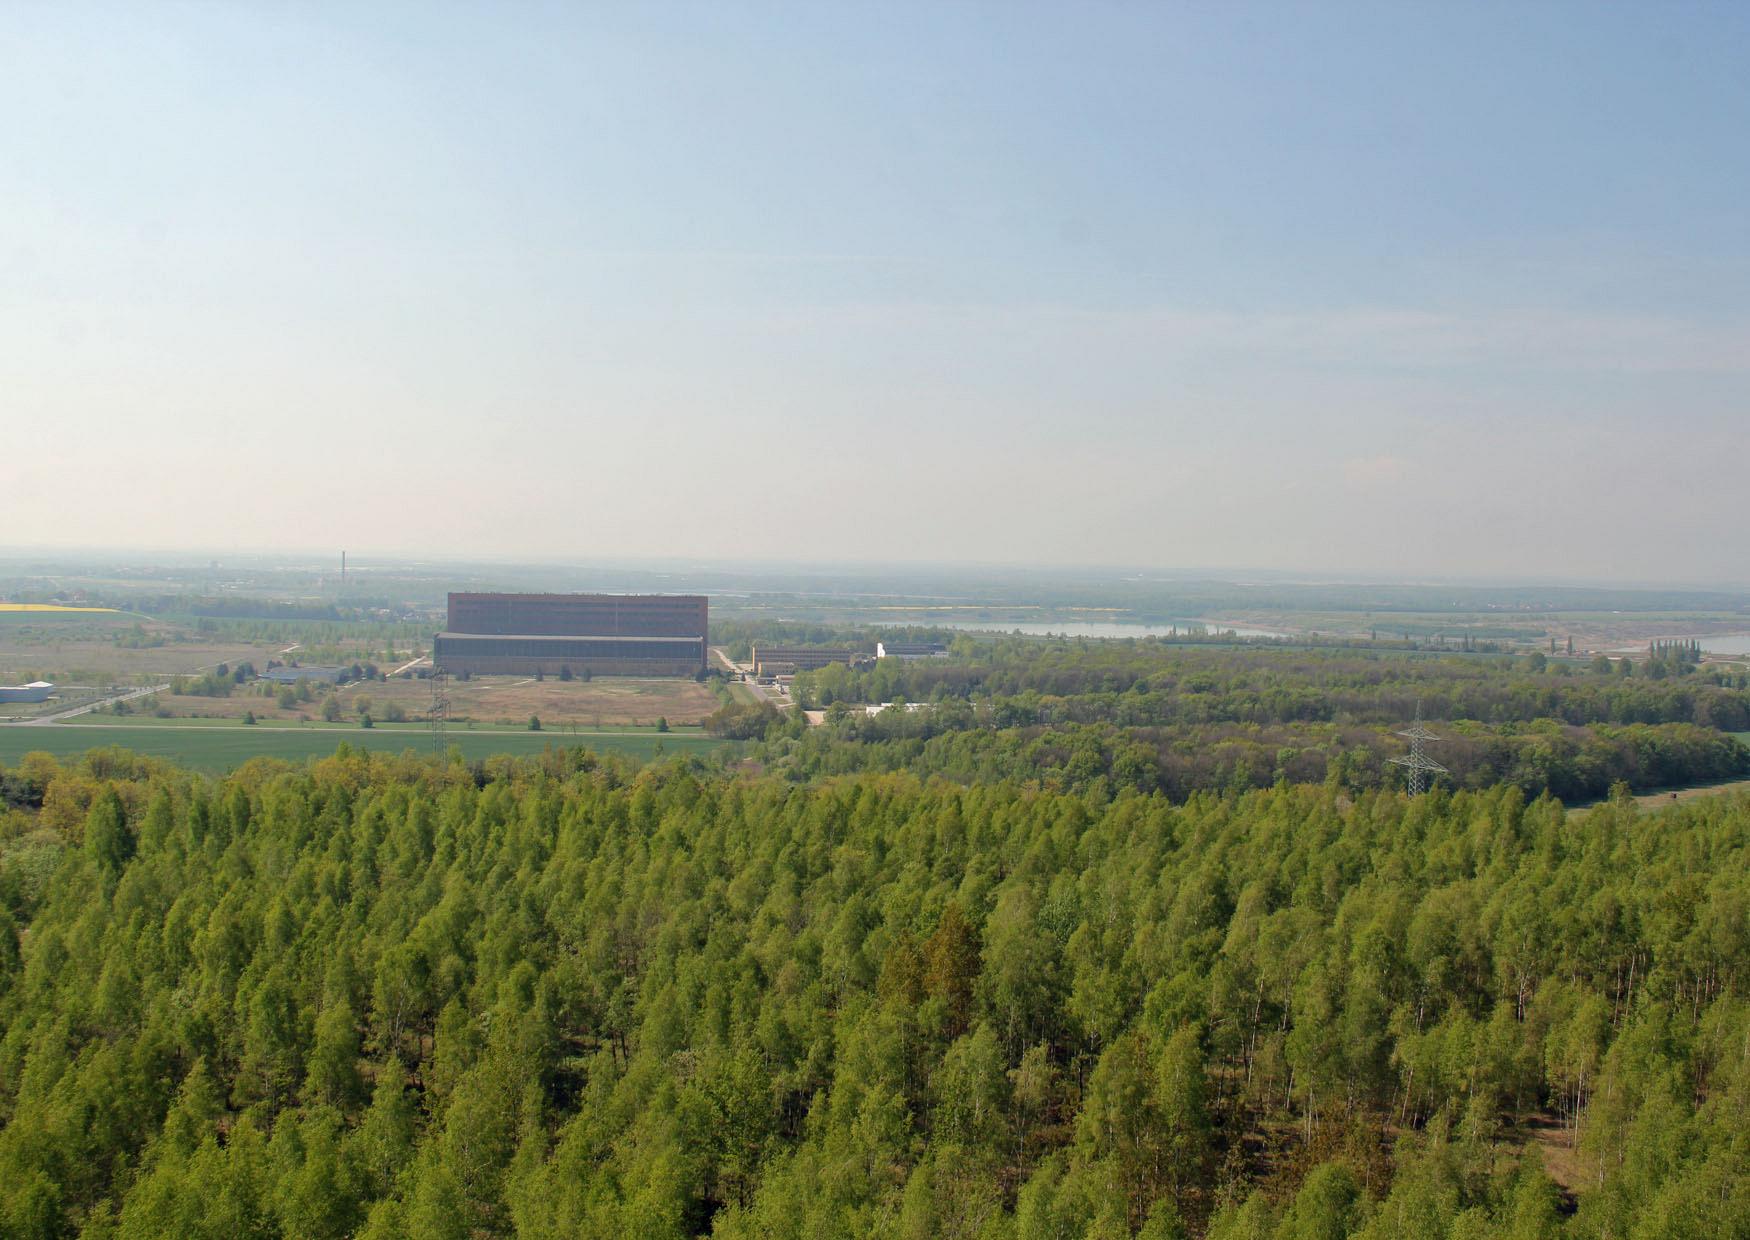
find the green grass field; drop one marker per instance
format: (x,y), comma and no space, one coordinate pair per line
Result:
(218,749)
(346,727)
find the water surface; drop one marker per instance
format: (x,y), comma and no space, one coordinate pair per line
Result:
(1727,643)
(1106,628)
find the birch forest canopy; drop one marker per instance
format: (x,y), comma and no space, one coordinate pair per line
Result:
(569,996)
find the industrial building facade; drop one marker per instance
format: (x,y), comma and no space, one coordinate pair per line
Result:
(551,634)
(787,660)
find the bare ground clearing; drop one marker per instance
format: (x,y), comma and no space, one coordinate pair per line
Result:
(1672,796)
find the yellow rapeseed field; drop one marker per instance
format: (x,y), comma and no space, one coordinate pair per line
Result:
(52,607)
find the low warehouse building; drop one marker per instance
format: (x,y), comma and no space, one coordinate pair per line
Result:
(35,691)
(309,671)
(909,650)
(787,660)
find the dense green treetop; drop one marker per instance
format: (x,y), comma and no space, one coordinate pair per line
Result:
(567,997)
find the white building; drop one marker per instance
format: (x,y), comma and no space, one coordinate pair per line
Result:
(35,691)
(910,650)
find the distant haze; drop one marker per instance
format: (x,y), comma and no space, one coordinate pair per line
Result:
(1434,289)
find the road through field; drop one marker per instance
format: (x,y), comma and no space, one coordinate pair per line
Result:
(127,696)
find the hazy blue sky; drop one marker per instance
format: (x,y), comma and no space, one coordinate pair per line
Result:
(1459,288)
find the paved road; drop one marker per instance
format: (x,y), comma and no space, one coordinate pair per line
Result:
(777,695)
(126,695)
(59,715)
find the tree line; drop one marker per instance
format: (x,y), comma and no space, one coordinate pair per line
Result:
(1143,683)
(1575,764)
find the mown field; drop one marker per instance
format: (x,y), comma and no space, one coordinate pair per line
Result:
(115,647)
(214,750)
(83,649)
(606,702)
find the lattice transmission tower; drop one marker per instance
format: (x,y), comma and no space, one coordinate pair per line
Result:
(438,718)
(1417,762)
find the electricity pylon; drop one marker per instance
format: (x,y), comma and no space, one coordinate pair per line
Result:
(438,719)
(1419,765)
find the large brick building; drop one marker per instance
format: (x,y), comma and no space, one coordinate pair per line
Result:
(602,634)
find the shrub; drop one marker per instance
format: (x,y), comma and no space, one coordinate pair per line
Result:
(739,722)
